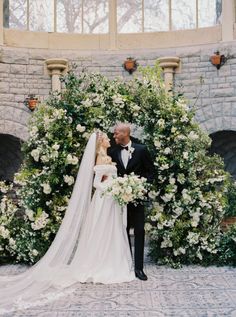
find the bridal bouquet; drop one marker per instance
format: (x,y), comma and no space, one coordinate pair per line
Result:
(127,189)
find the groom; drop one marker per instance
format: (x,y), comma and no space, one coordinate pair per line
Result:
(132,157)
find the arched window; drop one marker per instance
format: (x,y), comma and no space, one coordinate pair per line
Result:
(92,16)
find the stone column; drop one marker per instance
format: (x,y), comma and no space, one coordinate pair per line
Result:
(1,22)
(56,68)
(113,24)
(228,20)
(169,64)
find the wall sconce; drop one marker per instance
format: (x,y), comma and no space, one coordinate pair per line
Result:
(31,102)
(218,60)
(130,65)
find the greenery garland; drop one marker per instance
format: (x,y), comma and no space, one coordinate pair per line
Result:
(189,188)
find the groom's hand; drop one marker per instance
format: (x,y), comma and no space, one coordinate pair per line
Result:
(104,177)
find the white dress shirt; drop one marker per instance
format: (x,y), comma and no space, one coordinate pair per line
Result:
(125,154)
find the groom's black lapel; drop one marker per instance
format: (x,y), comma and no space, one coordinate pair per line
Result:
(132,159)
(119,157)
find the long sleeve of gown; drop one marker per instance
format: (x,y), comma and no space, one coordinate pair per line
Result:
(97,182)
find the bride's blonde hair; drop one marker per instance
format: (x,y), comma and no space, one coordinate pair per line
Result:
(100,137)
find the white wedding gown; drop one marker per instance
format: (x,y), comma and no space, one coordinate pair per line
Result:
(91,245)
(103,245)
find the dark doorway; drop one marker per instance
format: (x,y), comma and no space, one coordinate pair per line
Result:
(10,156)
(224,144)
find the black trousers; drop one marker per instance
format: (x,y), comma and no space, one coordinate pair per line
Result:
(135,215)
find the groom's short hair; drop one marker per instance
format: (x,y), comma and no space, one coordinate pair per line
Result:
(123,126)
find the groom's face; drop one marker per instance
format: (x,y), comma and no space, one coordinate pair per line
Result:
(120,136)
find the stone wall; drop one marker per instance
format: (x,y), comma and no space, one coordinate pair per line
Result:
(211,91)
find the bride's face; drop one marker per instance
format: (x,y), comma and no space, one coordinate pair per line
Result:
(105,142)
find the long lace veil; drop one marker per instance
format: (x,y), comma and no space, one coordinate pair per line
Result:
(52,272)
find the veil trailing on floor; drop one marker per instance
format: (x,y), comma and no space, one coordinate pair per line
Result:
(55,271)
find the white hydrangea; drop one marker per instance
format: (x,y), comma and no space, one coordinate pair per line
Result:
(40,222)
(193,136)
(33,131)
(161,123)
(4,232)
(118,100)
(166,243)
(87,103)
(193,237)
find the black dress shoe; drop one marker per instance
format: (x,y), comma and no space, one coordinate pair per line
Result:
(141,275)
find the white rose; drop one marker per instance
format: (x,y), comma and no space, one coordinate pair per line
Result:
(46,188)
(35,154)
(44,158)
(185,155)
(71,159)
(56,146)
(157,144)
(136,108)
(80,128)
(29,213)
(69,179)
(167,150)
(34,252)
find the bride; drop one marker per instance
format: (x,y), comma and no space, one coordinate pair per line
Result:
(91,244)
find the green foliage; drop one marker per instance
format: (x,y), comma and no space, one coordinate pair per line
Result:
(189,194)
(230,210)
(226,254)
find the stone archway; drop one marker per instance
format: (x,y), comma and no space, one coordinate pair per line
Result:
(10,156)
(224,144)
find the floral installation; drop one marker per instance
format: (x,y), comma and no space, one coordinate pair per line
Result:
(127,189)
(189,190)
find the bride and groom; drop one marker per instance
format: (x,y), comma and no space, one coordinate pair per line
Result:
(93,242)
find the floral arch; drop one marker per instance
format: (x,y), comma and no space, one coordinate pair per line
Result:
(183,221)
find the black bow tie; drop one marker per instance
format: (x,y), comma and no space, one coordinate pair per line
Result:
(124,148)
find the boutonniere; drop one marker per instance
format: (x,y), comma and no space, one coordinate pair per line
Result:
(131,151)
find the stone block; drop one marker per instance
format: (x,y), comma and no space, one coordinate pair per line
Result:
(4,68)
(227,108)
(4,87)
(208,112)
(227,92)
(226,123)
(18,69)
(14,57)
(210,126)
(217,109)
(21,91)
(35,69)
(19,98)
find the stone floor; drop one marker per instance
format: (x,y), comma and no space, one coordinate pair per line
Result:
(192,291)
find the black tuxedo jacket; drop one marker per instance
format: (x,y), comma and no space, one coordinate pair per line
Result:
(140,163)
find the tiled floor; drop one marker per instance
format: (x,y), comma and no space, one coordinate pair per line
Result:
(192,291)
